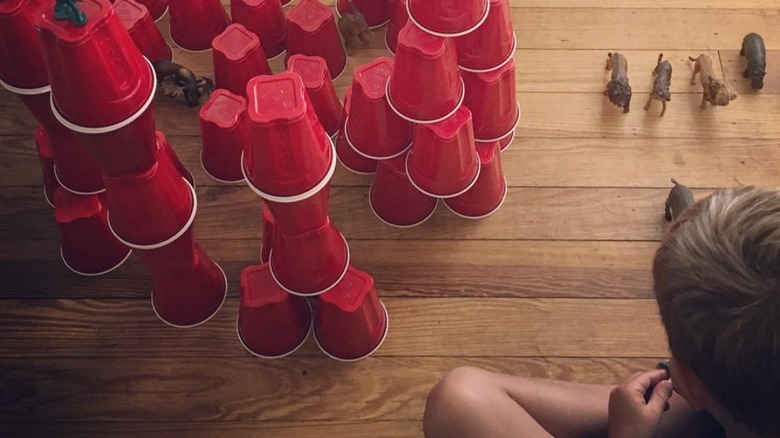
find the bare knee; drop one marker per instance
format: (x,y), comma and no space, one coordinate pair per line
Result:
(456,402)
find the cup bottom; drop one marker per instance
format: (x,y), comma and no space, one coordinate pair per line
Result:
(374,350)
(500,137)
(490,213)
(224,297)
(386,222)
(93,274)
(261,356)
(219,180)
(458,33)
(311,294)
(471,184)
(425,122)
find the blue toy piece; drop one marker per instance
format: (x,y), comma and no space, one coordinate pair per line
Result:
(69,10)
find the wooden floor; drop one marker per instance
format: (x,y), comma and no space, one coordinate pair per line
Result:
(557,284)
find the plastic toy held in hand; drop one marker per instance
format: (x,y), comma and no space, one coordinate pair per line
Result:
(69,10)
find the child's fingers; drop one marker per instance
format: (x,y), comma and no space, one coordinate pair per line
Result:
(643,381)
(660,397)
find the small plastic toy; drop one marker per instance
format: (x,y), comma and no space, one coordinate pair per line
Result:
(69,10)
(680,198)
(714,91)
(754,50)
(354,29)
(663,79)
(177,80)
(618,91)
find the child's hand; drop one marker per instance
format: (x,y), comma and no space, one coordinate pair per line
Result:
(630,416)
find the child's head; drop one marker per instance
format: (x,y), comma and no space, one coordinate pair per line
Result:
(717,282)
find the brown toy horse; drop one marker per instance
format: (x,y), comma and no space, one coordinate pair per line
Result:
(714,91)
(354,29)
(618,91)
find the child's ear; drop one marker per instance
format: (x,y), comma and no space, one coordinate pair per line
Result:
(687,384)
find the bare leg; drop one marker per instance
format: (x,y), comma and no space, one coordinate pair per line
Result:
(470,402)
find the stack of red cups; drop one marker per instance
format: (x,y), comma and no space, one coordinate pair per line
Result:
(102,89)
(312,30)
(69,171)
(289,162)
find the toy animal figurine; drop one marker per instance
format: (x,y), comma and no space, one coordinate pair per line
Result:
(754,50)
(69,10)
(663,79)
(714,90)
(618,90)
(680,198)
(177,80)
(354,29)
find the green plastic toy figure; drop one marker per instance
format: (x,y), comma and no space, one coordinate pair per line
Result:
(69,10)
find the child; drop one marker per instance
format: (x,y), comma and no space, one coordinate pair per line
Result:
(717,283)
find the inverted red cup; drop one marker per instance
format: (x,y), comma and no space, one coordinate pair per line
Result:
(398,19)
(312,263)
(46,160)
(238,57)
(443,161)
(271,323)
(100,57)
(140,24)
(311,30)
(224,133)
(297,218)
(286,2)
(153,208)
(492,99)
(351,322)
(21,60)
(488,193)
(393,198)
(319,86)
(376,12)
(448,18)
(349,158)
(194,23)
(289,157)
(492,44)
(425,86)
(157,8)
(503,143)
(269,233)
(373,129)
(87,246)
(266,19)
(164,146)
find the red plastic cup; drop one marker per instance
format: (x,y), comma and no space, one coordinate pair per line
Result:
(319,86)
(493,44)
(153,208)
(286,2)
(393,198)
(398,20)
(156,8)
(311,30)
(98,76)
(21,60)
(503,143)
(238,57)
(312,263)
(373,129)
(194,23)
(289,157)
(140,24)
(351,322)
(165,147)
(489,192)
(87,246)
(269,234)
(266,19)
(492,99)
(425,86)
(271,323)
(297,218)
(376,12)
(46,160)
(188,288)
(448,18)
(443,162)
(349,158)
(224,134)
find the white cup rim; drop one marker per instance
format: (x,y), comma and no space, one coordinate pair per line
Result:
(374,350)
(280,356)
(365,155)
(224,297)
(506,134)
(503,63)
(25,91)
(312,294)
(449,35)
(425,122)
(93,274)
(483,216)
(386,222)
(471,184)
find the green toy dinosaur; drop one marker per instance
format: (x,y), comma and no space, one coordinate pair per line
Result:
(69,10)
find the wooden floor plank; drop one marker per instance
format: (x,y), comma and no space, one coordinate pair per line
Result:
(252,391)
(515,327)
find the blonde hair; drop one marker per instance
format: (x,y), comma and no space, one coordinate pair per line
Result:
(717,283)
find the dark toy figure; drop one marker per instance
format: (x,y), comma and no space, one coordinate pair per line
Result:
(714,90)
(69,10)
(663,79)
(177,80)
(680,198)
(618,90)
(754,51)
(354,29)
